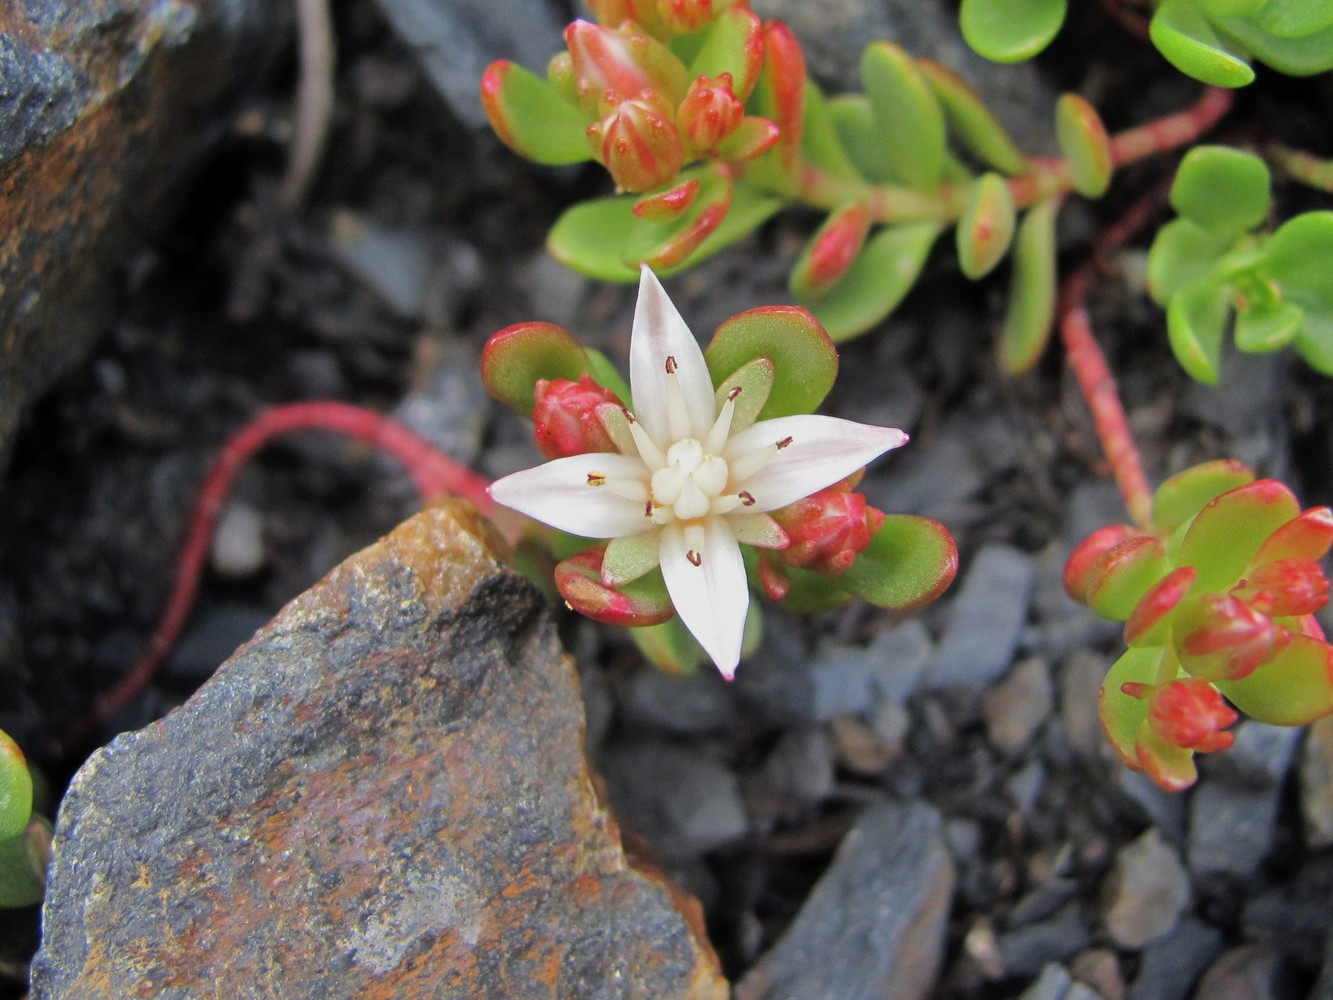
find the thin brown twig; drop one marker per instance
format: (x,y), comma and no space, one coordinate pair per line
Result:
(314,99)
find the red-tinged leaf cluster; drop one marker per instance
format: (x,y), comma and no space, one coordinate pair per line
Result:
(1218,602)
(827,530)
(645,109)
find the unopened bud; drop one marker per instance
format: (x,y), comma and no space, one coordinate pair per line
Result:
(565,417)
(638,144)
(1190,714)
(1219,637)
(827,529)
(1284,587)
(708,114)
(687,16)
(623,60)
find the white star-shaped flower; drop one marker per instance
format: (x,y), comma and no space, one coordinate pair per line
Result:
(689,483)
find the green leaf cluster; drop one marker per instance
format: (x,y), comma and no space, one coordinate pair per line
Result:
(1214,271)
(23,836)
(1214,41)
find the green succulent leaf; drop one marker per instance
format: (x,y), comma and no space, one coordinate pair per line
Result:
(811,593)
(1297,259)
(516,357)
(23,864)
(1303,56)
(865,145)
(909,562)
(1268,329)
(1314,342)
(1231,8)
(805,362)
(907,114)
(1123,574)
(1122,716)
(604,239)
(1085,145)
(1222,189)
(821,142)
(880,278)
(670,646)
(755,380)
(1186,493)
(1185,36)
(1196,319)
(1227,533)
(1182,254)
(979,131)
(532,117)
(985,227)
(1032,286)
(15,788)
(1294,18)
(1293,689)
(1010,30)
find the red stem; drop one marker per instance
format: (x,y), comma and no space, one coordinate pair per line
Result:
(1094,375)
(1131,20)
(434,474)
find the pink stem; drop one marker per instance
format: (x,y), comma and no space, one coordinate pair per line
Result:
(434,474)
(1094,376)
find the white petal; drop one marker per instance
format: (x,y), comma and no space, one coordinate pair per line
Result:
(660,333)
(558,493)
(823,450)
(712,597)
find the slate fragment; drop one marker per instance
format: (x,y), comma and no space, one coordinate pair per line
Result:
(382,794)
(105,105)
(873,928)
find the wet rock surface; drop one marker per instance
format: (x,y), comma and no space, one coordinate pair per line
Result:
(105,108)
(382,794)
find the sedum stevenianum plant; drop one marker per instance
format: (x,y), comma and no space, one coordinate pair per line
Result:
(1218,600)
(705,455)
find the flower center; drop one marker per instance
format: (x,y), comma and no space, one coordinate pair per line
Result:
(690,483)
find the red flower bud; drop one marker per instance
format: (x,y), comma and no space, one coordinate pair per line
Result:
(709,113)
(624,61)
(1187,713)
(687,16)
(1284,587)
(827,529)
(1081,576)
(638,143)
(565,417)
(1218,637)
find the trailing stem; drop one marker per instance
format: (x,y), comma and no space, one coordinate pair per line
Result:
(433,473)
(1094,375)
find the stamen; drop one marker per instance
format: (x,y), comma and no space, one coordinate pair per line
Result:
(671,364)
(648,508)
(596,478)
(694,558)
(747,498)
(648,451)
(717,435)
(678,414)
(784,442)
(733,392)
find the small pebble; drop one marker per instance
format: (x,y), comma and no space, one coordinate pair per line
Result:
(1316,772)
(1146,892)
(985,620)
(1014,708)
(238,542)
(1099,968)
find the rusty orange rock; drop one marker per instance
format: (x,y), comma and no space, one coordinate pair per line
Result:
(383,794)
(107,106)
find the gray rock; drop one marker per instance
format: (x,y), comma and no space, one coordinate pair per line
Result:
(456,41)
(796,774)
(1323,987)
(1055,983)
(1026,950)
(873,928)
(1171,965)
(1080,684)
(679,798)
(834,33)
(1147,800)
(1296,917)
(1233,812)
(383,792)
(903,654)
(1145,893)
(106,108)
(1316,770)
(984,621)
(1014,708)
(700,702)
(214,634)
(1248,972)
